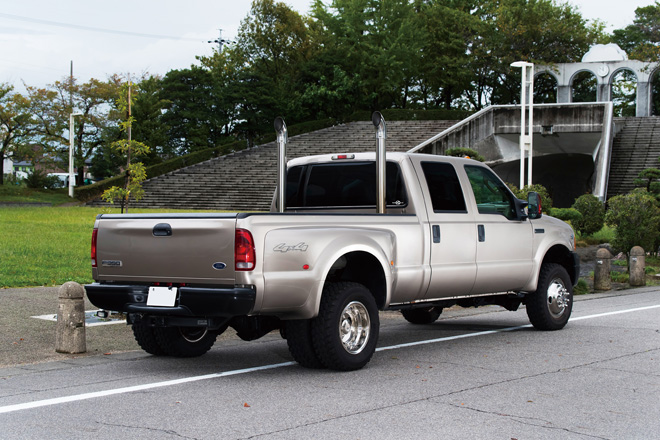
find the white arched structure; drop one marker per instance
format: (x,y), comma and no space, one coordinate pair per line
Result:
(604,61)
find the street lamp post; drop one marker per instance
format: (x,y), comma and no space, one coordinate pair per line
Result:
(71,136)
(527,89)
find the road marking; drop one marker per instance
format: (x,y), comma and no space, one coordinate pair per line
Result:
(167,383)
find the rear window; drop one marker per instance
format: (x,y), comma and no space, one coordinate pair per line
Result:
(444,187)
(342,185)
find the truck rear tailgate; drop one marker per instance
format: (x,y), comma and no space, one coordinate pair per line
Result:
(166,248)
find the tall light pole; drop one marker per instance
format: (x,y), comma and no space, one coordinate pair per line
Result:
(71,137)
(526,90)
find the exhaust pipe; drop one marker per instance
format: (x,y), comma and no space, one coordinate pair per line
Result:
(282,138)
(381,135)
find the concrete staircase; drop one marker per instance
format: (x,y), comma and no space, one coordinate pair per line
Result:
(636,147)
(246,180)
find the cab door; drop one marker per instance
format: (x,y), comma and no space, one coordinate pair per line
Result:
(504,235)
(451,229)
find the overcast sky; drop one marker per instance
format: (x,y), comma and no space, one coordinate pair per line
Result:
(40,38)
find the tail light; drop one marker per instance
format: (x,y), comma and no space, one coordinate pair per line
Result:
(244,254)
(94,235)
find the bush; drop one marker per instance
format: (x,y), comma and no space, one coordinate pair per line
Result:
(40,180)
(566,214)
(546,201)
(465,152)
(581,288)
(637,219)
(592,213)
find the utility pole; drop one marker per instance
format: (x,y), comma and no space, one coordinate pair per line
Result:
(220,41)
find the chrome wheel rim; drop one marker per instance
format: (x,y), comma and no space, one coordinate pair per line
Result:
(193,334)
(559,298)
(354,327)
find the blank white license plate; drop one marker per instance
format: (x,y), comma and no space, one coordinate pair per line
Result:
(162,296)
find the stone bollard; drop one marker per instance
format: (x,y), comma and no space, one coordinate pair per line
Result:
(70,331)
(602,279)
(637,267)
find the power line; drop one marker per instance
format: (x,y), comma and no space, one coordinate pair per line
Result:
(94,29)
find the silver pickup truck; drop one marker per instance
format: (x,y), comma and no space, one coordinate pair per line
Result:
(349,235)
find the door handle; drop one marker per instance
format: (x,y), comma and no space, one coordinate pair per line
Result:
(436,233)
(482,232)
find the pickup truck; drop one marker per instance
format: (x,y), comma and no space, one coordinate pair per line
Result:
(349,235)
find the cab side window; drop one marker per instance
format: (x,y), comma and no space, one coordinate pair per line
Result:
(491,195)
(444,187)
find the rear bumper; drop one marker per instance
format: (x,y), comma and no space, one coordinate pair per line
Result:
(192,301)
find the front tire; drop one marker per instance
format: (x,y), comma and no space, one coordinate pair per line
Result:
(345,332)
(185,341)
(426,315)
(550,306)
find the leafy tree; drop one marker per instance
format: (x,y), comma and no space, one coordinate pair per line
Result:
(16,124)
(649,179)
(592,216)
(148,126)
(52,106)
(190,117)
(637,220)
(135,171)
(641,39)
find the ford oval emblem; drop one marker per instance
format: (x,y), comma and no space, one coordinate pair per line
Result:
(219,266)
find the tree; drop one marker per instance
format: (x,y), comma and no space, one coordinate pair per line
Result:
(637,220)
(190,118)
(135,171)
(52,106)
(641,40)
(16,124)
(649,180)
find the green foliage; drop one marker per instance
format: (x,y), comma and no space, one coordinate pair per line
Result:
(648,179)
(566,214)
(641,39)
(135,172)
(40,179)
(619,277)
(581,288)
(637,220)
(546,200)
(592,216)
(465,152)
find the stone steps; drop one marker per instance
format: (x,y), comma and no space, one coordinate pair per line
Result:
(246,180)
(635,147)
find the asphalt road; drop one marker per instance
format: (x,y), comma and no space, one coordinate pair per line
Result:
(475,374)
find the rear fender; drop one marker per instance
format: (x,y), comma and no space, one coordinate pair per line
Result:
(297,262)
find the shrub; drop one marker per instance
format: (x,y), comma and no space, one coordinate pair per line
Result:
(465,152)
(546,201)
(39,180)
(592,216)
(637,219)
(566,214)
(581,288)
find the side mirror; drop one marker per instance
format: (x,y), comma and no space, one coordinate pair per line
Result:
(534,205)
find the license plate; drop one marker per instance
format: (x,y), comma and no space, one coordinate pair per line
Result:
(162,296)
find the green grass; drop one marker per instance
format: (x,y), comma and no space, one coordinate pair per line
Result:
(22,194)
(47,246)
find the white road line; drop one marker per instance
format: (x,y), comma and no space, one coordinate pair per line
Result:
(167,383)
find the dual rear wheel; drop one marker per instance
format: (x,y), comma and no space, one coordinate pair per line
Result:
(174,341)
(344,334)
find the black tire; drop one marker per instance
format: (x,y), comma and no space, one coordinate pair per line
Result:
(299,339)
(550,306)
(146,339)
(185,341)
(345,332)
(426,315)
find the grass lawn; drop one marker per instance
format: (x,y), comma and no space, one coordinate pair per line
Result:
(47,246)
(22,194)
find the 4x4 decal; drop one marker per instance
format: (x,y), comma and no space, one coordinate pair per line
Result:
(283,247)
